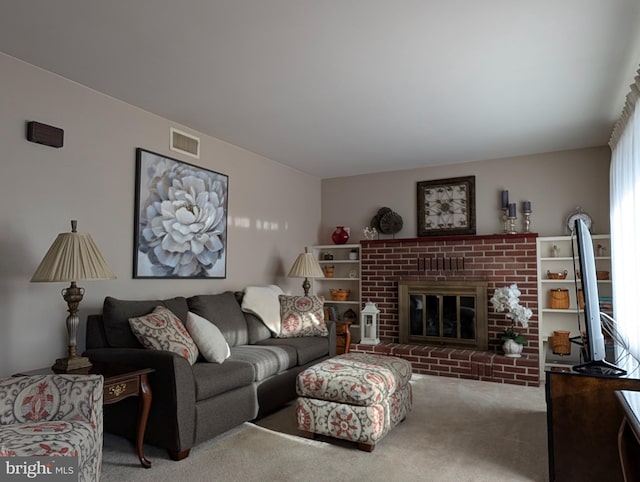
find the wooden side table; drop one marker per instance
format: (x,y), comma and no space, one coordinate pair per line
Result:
(120,382)
(343,337)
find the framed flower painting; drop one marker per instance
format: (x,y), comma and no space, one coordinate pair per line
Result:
(447,206)
(180,219)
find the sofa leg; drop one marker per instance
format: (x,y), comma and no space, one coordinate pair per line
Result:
(178,454)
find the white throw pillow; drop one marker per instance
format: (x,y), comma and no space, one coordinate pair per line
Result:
(263,302)
(209,338)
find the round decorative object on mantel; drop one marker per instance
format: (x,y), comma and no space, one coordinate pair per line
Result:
(340,235)
(578,214)
(512,349)
(391,223)
(387,221)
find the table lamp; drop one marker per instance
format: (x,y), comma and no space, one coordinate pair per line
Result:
(306,266)
(72,257)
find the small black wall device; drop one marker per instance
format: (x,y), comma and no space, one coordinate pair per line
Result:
(45,134)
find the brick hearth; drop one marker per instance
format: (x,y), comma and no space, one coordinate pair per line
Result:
(498,259)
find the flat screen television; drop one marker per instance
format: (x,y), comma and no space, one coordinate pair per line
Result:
(593,345)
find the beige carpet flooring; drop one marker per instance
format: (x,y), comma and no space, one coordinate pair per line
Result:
(458,430)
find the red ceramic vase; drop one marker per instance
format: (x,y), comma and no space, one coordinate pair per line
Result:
(340,236)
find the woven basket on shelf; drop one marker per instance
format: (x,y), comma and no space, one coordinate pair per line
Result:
(339,295)
(560,342)
(559,299)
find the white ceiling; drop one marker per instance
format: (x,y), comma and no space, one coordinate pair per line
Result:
(342,87)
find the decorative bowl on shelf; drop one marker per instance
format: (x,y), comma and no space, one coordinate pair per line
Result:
(339,295)
(350,315)
(561,275)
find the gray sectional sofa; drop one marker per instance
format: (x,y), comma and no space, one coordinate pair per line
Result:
(193,403)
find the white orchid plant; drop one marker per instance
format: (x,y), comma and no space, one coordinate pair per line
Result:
(508,299)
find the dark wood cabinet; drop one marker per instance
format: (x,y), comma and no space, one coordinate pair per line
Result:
(583,418)
(629,434)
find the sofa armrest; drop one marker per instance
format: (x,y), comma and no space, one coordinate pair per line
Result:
(331,326)
(172,385)
(171,370)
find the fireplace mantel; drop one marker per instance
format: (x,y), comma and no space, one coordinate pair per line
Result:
(463,237)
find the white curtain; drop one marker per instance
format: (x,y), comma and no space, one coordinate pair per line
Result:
(625,220)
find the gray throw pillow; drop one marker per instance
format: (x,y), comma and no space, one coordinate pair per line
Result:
(224,311)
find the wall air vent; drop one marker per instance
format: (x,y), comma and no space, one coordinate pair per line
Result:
(184,143)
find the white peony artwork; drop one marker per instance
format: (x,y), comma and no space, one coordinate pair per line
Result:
(181,219)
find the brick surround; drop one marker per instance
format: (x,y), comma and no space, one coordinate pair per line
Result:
(498,259)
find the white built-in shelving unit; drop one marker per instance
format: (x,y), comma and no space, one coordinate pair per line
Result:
(556,255)
(346,275)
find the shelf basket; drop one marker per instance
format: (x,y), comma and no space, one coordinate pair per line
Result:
(339,295)
(559,299)
(560,343)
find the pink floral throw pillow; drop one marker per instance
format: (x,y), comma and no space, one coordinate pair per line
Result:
(302,316)
(162,330)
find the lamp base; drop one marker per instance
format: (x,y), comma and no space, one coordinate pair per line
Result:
(66,365)
(305,286)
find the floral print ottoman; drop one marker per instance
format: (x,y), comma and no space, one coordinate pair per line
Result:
(355,396)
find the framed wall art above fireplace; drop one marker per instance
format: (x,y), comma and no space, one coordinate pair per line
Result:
(180,219)
(447,206)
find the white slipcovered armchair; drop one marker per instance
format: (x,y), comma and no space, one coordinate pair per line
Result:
(51,415)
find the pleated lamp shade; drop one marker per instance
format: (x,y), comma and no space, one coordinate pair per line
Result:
(306,266)
(73,257)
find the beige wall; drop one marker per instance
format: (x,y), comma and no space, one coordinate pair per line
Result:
(91,179)
(555,183)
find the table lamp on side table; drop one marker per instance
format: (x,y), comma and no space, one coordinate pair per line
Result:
(306,266)
(72,257)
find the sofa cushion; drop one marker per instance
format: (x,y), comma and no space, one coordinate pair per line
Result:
(162,330)
(257,329)
(302,316)
(116,314)
(307,348)
(212,379)
(224,311)
(266,360)
(263,302)
(211,342)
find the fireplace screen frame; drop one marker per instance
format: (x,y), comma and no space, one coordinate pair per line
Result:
(441,289)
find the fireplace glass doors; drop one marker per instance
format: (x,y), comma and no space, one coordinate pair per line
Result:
(443,313)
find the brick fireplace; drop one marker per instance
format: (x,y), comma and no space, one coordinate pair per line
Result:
(498,259)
